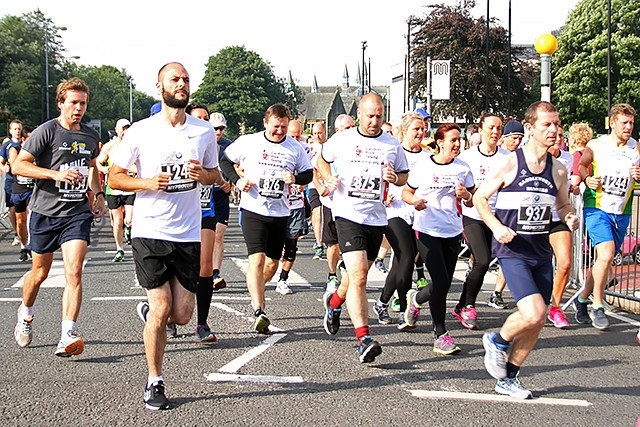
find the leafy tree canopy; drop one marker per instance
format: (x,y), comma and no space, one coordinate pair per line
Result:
(24,42)
(451,32)
(241,85)
(579,66)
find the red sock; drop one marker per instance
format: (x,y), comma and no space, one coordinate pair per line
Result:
(361,332)
(336,301)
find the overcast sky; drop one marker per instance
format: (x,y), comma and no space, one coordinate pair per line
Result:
(305,37)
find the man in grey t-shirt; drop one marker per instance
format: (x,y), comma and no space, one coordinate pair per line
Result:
(61,157)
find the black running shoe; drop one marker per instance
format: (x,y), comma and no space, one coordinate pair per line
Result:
(154,398)
(331,315)
(261,322)
(369,349)
(25,255)
(204,334)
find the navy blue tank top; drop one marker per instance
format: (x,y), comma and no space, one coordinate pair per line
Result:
(525,207)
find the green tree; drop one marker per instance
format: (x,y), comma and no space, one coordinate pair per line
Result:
(451,32)
(22,64)
(241,85)
(579,66)
(23,46)
(109,95)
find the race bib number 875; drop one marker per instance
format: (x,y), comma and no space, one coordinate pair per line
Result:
(365,187)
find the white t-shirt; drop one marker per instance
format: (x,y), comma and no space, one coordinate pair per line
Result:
(328,199)
(398,208)
(481,165)
(567,161)
(264,161)
(358,161)
(155,146)
(437,185)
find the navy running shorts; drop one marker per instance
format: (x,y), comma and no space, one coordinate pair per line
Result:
(47,234)
(528,277)
(221,206)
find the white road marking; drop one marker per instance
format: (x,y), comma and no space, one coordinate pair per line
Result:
(56,277)
(226,308)
(427,394)
(294,278)
(623,318)
(237,363)
(219,377)
(10,299)
(121,298)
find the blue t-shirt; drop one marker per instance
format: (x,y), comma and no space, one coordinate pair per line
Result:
(7,143)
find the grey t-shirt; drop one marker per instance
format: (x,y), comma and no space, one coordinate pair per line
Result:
(57,148)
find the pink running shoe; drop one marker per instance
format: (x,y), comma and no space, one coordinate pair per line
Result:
(557,317)
(467,317)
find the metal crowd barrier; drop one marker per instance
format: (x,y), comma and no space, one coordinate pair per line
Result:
(626,265)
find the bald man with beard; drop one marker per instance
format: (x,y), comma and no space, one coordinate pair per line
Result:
(173,153)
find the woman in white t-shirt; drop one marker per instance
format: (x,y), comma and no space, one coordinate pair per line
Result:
(399,232)
(435,188)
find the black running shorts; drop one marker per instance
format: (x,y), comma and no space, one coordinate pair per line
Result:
(264,234)
(359,237)
(158,260)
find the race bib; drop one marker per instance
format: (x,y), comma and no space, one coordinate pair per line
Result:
(534,219)
(205,196)
(615,185)
(271,185)
(179,181)
(365,186)
(73,192)
(23,180)
(294,193)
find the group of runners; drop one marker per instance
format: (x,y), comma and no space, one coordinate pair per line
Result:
(371,183)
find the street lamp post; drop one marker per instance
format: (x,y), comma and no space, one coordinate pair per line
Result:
(364,47)
(130,100)
(46,65)
(546,45)
(486,71)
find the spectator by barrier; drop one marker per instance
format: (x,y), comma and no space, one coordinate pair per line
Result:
(626,266)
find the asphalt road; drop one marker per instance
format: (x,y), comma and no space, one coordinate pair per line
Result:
(299,376)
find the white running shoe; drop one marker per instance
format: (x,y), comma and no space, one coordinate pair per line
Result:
(283,288)
(23,333)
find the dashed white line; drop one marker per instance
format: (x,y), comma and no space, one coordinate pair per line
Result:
(237,363)
(219,377)
(428,394)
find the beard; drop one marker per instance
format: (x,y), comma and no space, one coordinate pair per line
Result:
(171,101)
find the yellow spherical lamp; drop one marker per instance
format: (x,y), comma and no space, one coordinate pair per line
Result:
(546,44)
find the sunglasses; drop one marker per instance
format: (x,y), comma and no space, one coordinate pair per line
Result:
(220,128)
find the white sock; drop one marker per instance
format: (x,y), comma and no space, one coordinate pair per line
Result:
(25,312)
(66,326)
(120,249)
(151,380)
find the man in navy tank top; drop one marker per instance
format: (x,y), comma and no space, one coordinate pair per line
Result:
(529,183)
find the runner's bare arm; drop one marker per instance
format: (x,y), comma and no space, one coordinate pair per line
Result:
(24,165)
(119,179)
(496,180)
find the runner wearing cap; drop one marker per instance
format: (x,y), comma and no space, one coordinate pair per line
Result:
(510,141)
(120,203)
(221,193)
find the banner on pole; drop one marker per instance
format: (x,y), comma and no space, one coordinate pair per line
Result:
(441,79)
